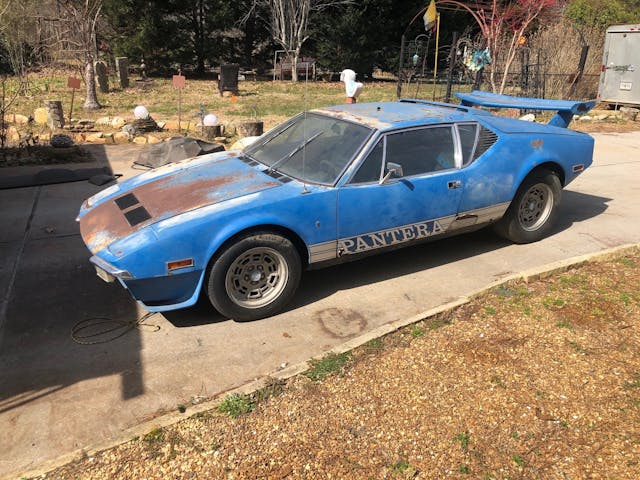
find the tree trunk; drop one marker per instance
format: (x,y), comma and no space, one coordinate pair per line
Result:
(511,54)
(91,102)
(294,68)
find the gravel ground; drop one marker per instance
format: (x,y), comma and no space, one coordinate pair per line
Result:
(531,381)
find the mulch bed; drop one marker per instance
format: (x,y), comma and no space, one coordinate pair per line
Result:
(535,380)
(42,155)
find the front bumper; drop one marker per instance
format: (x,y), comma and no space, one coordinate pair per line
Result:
(108,272)
(156,294)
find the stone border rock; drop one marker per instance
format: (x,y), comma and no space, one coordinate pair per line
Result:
(172,418)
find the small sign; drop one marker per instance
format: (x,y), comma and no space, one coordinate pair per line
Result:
(625,85)
(179,81)
(73,82)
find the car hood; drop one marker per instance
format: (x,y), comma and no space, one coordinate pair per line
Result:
(165,192)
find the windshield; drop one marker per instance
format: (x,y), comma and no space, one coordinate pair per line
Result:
(311,147)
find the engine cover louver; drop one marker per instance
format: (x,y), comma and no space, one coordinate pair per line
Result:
(485,140)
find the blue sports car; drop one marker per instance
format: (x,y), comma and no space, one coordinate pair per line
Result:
(329,185)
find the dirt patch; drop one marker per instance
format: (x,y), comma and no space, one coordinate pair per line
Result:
(537,380)
(605,126)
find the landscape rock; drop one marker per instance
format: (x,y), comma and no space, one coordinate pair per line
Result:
(629,113)
(152,139)
(529,117)
(601,117)
(12,134)
(85,124)
(117,122)
(96,138)
(104,121)
(585,118)
(121,137)
(20,119)
(140,140)
(40,116)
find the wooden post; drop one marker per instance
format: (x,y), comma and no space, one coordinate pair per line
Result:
(435,63)
(73,84)
(179,82)
(399,87)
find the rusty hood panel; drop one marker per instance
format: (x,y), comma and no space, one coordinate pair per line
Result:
(185,188)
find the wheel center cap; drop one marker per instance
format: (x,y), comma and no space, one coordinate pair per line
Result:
(532,206)
(255,276)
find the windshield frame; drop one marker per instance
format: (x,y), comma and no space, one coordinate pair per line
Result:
(280,129)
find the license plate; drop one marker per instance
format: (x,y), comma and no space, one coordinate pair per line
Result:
(104,275)
(625,85)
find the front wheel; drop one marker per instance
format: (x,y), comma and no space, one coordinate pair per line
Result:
(533,211)
(255,277)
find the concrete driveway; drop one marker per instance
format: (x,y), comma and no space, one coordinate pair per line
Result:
(57,396)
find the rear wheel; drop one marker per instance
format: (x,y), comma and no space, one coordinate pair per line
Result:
(534,209)
(255,277)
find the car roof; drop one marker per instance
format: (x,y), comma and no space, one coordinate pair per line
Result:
(404,113)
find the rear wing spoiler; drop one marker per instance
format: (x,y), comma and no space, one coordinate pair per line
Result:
(566,109)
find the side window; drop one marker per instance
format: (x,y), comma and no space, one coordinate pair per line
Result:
(371,168)
(468,134)
(422,150)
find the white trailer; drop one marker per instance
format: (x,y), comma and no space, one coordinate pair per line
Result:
(620,73)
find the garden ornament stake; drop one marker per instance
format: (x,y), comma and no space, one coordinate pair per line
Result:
(352,88)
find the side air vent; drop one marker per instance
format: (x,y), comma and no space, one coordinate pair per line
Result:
(486,139)
(126,201)
(137,215)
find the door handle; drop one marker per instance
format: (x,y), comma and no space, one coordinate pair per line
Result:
(453,184)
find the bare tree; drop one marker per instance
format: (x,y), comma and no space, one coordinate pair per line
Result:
(503,24)
(81,19)
(17,27)
(288,21)
(5,99)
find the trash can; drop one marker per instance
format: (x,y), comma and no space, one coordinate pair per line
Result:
(228,78)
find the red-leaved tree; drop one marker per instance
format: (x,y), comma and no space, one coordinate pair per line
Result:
(503,23)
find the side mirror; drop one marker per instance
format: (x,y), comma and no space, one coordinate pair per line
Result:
(392,169)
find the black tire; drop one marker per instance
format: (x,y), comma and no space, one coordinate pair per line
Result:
(534,209)
(255,277)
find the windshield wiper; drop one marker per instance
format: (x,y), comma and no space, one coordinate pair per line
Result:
(288,157)
(278,134)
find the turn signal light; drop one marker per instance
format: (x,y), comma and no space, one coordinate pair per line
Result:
(187,262)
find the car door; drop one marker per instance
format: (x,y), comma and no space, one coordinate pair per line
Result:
(408,187)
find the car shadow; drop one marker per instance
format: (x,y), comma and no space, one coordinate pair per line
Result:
(202,313)
(318,284)
(577,207)
(54,289)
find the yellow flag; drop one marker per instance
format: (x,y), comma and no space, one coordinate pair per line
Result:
(430,16)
